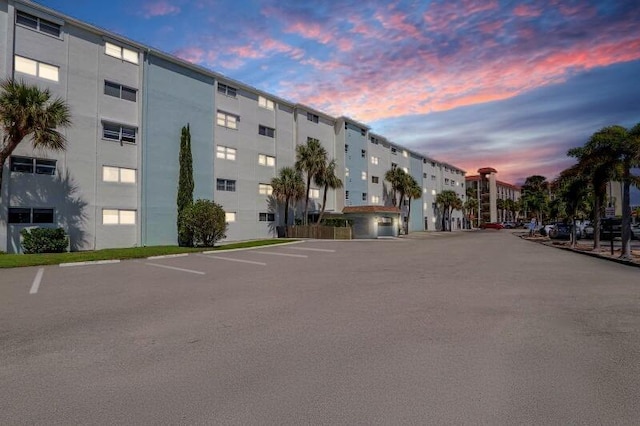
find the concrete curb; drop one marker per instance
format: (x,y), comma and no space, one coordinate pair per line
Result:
(586,253)
(91,262)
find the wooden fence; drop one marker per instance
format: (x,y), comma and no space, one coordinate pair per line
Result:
(319,232)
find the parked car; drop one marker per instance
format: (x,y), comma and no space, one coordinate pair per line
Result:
(635,231)
(587,232)
(560,231)
(508,225)
(605,225)
(491,225)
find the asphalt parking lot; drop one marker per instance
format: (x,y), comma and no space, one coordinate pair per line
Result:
(448,328)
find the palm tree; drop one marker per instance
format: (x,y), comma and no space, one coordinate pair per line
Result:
(572,188)
(500,206)
(535,194)
(412,191)
(470,207)
(327,179)
(289,187)
(28,111)
(396,177)
(449,201)
(310,159)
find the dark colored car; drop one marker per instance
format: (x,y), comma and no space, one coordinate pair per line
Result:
(491,225)
(560,231)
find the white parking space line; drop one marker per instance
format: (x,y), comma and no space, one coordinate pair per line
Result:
(93,262)
(168,256)
(311,249)
(36,281)
(273,253)
(230,259)
(191,271)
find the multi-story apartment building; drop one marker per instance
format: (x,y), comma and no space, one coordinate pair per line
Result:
(489,190)
(116,183)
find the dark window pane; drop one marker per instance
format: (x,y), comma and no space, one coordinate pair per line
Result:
(46,167)
(129,94)
(111,131)
(22,164)
(18,215)
(112,89)
(231,185)
(27,20)
(128,134)
(220,185)
(42,215)
(222,88)
(231,91)
(266,131)
(50,28)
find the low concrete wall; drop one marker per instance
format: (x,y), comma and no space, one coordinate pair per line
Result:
(319,232)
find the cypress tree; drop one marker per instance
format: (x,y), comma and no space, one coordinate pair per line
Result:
(185,185)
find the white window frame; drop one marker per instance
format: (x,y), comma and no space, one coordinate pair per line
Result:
(266,103)
(120,173)
(226,153)
(314,193)
(228,120)
(265,189)
(230,217)
(119,216)
(35,68)
(375,199)
(364,175)
(374,160)
(266,160)
(121,52)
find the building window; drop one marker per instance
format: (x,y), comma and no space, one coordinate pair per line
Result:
(346,195)
(266,131)
(375,179)
(393,166)
(226,185)
(230,216)
(31,165)
(433,177)
(312,117)
(265,103)
(346,148)
(375,199)
(446,181)
(394,151)
(433,192)
(314,193)
(433,164)
(118,132)
(118,217)
(374,160)
(37,24)
(374,140)
(36,69)
(312,140)
(121,52)
(424,175)
(406,170)
(364,196)
(30,215)
(265,189)
(346,172)
(119,91)
(266,160)
(364,175)
(226,153)
(227,90)
(364,153)
(118,174)
(266,217)
(227,120)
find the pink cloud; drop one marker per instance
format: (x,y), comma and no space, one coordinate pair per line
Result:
(309,30)
(159,8)
(191,54)
(526,11)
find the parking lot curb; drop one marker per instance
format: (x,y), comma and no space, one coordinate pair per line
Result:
(91,262)
(586,253)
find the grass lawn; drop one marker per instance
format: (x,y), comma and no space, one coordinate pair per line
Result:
(17,260)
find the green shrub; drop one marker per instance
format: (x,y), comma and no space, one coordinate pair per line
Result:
(337,222)
(205,221)
(44,240)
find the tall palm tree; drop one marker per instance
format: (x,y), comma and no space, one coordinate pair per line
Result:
(535,195)
(448,200)
(500,206)
(327,179)
(310,159)
(289,187)
(412,191)
(572,188)
(470,207)
(396,177)
(29,111)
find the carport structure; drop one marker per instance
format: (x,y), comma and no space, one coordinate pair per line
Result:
(373,221)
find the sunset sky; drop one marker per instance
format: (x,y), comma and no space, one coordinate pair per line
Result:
(505,84)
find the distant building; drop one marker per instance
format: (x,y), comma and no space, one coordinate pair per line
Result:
(488,189)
